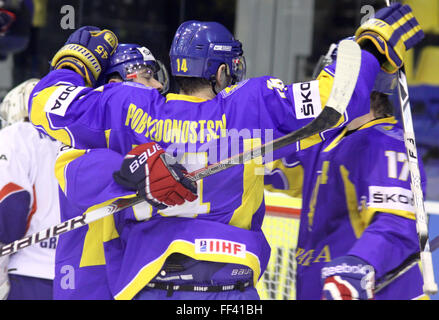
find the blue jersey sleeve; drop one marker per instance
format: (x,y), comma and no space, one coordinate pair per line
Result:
(14,212)
(86,176)
(79,116)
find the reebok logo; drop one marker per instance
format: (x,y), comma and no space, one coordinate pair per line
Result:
(345,268)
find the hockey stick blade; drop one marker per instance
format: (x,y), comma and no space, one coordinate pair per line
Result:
(346,74)
(408,263)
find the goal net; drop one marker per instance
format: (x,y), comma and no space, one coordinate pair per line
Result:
(281,227)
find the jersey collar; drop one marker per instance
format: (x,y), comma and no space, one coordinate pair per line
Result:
(336,141)
(183,97)
(391,120)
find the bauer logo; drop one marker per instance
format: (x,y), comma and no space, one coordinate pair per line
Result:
(307,99)
(391,198)
(218,246)
(61,99)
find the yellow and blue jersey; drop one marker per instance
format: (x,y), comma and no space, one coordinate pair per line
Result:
(357,201)
(224,223)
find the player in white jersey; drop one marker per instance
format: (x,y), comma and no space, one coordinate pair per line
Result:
(28,199)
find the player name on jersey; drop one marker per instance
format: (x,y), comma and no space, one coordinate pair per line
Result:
(173,130)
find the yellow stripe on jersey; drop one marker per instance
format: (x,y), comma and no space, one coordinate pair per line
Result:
(149,271)
(370,212)
(39,117)
(391,120)
(360,220)
(326,82)
(99,231)
(337,140)
(182,97)
(63,159)
(357,221)
(293,175)
(107,137)
(321,179)
(253,188)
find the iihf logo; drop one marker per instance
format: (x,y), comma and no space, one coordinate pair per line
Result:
(203,246)
(220,246)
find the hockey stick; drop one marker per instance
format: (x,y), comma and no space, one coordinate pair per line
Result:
(411,261)
(345,79)
(430,286)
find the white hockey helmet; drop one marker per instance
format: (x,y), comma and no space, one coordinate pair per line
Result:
(14,107)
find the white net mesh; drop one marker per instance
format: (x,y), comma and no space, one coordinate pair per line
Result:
(278,281)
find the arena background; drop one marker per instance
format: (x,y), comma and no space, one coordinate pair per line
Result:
(282,38)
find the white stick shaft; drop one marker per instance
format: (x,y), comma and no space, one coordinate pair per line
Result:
(430,286)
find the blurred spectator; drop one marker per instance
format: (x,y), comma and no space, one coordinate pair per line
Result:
(26,62)
(15,24)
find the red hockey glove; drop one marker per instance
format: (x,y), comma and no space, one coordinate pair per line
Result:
(156,176)
(348,278)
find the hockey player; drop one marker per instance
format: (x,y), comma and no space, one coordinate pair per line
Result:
(358,216)
(28,199)
(134,63)
(156,252)
(74,277)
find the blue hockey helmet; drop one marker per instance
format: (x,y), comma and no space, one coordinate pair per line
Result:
(129,59)
(384,82)
(199,48)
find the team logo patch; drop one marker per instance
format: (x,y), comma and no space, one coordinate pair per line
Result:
(391,198)
(219,246)
(307,99)
(61,99)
